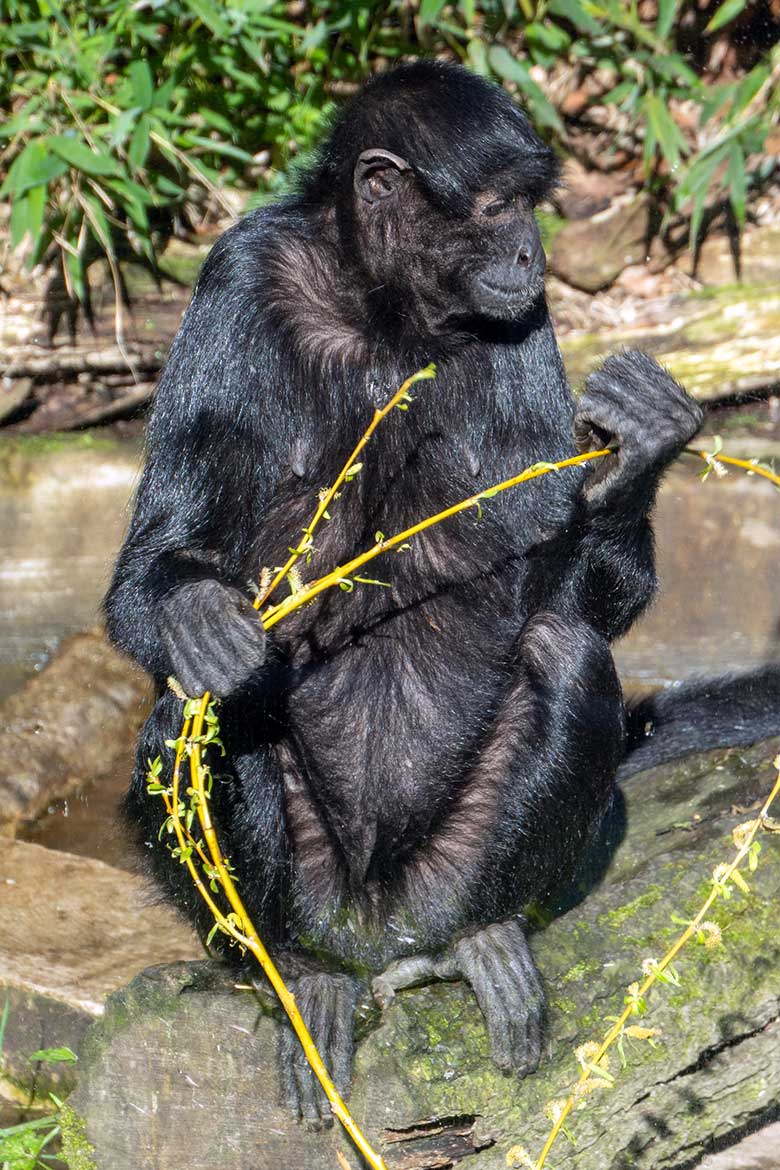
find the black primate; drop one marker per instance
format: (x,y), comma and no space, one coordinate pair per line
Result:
(406,766)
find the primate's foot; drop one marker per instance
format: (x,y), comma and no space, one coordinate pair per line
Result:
(327,1004)
(497,963)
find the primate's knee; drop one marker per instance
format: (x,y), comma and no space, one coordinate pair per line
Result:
(572,674)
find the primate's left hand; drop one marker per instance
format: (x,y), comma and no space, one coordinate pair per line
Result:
(632,403)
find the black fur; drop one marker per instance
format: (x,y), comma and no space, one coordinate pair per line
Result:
(406,766)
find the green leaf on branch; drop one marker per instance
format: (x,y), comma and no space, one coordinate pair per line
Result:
(727,12)
(78,154)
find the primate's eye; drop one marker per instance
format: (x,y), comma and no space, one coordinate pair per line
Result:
(496,207)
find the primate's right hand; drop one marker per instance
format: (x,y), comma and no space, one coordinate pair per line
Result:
(213,635)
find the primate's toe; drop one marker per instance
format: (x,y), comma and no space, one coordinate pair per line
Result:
(498,965)
(327,1004)
(407,972)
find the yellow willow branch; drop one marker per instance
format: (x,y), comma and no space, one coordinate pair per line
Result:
(325,500)
(277,612)
(751,467)
(182,837)
(719,881)
(249,938)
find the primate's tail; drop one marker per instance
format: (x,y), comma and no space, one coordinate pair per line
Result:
(724,712)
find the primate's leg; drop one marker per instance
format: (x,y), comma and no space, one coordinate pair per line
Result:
(518,829)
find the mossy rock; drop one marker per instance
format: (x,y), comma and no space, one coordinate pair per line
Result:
(182,1066)
(719,344)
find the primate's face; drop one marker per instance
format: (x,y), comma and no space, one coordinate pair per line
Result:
(487,263)
(505,275)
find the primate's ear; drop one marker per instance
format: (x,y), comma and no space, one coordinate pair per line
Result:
(378,174)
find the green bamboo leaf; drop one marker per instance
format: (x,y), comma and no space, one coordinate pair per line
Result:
(23,121)
(736,183)
(621,91)
(142,83)
(667,11)
(75,269)
(79,155)
(209,15)
(123,125)
(726,13)
(715,99)
(27,215)
(508,67)
(54,1055)
(749,86)
(98,224)
(34,166)
(216,146)
(666,131)
(429,10)
(696,184)
(216,120)
(648,148)
(138,150)
(477,57)
(134,205)
(577,14)
(550,38)
(673,68)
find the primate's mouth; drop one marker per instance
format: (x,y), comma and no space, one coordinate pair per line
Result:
(504,300)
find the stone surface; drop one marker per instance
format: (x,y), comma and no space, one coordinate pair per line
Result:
(758,1151)
(74,930)
(759,253)
(589,253)
(718,346)
(72,724)
(182,1066)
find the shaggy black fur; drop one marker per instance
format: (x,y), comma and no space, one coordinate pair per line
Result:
(406,766)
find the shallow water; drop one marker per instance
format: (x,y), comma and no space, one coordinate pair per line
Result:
(63,510)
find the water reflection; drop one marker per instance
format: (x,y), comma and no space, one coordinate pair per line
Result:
(62,515)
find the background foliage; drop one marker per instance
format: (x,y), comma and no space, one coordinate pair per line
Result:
(121,122)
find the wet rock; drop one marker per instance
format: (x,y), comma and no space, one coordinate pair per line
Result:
(718,346)
(183,1062)
(717,547)
(74,930)
(759,258)
(759,1151)
(590,253)
(72,724)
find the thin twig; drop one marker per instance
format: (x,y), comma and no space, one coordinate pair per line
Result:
(305,545)
(277,612)
(249,938)
(749,465)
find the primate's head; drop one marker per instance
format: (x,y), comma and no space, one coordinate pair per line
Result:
(434,174)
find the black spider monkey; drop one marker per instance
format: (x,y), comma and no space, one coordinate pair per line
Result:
(407,766)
